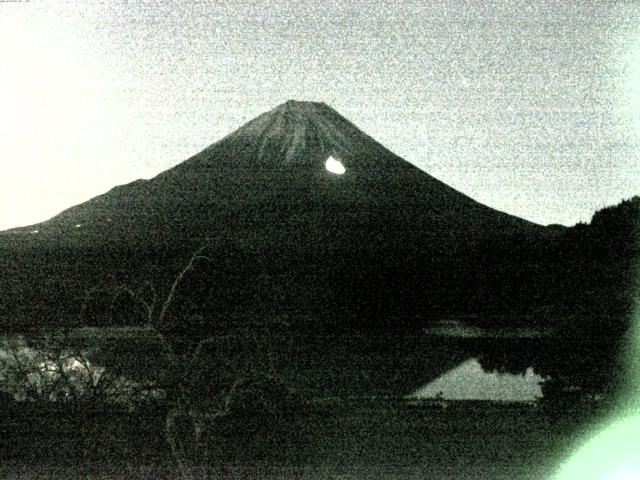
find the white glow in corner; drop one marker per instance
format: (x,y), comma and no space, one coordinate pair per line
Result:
(611,454)
(624,472)
(334,166)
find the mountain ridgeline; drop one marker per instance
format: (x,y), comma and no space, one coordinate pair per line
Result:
(382,245)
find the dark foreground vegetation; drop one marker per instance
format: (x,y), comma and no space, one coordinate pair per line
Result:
(280,407)
(317,440)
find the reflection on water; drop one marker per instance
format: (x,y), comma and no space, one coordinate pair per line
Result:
(383,366)
(56,370)
(454,328)
(468,381)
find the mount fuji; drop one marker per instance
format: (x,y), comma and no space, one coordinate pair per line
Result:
(303,215)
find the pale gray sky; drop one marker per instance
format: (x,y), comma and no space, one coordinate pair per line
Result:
(530,107)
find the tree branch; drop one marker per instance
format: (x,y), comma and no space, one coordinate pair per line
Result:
(176,283)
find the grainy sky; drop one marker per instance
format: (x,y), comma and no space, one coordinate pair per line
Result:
(531,108)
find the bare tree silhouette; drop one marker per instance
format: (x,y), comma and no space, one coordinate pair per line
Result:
(190,416)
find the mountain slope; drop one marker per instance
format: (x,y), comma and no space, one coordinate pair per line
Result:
(278,159)
(382,241)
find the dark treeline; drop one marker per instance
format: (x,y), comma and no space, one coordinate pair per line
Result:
(582,282)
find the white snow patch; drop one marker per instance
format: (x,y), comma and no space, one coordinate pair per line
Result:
(334,166)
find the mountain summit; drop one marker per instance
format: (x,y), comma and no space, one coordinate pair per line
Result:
(299,196)
(301,134)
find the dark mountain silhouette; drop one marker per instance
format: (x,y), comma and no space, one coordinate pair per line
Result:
(286,236)
(384,245)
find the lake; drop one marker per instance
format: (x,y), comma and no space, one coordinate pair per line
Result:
(450,360)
